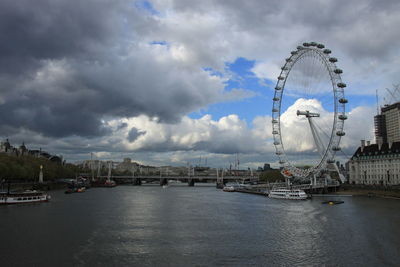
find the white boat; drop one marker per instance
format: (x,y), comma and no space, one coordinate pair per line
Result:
(28,196)
(174,182)
(284,193)
(229,188)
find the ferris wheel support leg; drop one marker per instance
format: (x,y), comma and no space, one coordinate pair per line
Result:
(315,180)
(341,176)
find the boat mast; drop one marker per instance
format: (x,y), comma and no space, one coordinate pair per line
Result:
(109,171)
(91,165)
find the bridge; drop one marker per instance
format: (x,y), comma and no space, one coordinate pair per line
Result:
(190,180)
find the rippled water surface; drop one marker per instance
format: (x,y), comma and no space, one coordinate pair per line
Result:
(198,226)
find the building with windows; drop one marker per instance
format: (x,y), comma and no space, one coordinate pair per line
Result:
(22,150)
(387,124)
(375,164)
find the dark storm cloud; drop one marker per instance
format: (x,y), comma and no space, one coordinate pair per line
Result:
(52,29)
(34,33)
(65,66)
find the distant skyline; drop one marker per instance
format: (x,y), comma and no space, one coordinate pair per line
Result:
(168,82)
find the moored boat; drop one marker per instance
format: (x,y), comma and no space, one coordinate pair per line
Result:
(283,193)
(110,183)
(29,196)
(229,188)
(103,183)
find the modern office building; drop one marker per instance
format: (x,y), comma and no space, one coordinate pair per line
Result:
(387,124)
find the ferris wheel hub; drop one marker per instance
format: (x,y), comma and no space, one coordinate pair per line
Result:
(307,113)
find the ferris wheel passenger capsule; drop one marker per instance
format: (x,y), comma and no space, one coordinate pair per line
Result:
(333,59)
(278,88)
(327,51)
(274,110)
(338,71)
(299,47)
(275,98)
(281,78)
(293,52)
(288,59)
(313,44)
(276,143)
(336,148)
(342,117)
(330,161)
(306,44)
(341,85)
(340,133)
(343,101)
(274,132)
(274,121)
(320,46)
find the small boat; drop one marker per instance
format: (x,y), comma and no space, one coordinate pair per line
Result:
(283,193)
(70,190)
(28,196)
(333,202)
(110,183)
(229,188)
(174,182)
(81,190)
(104,183)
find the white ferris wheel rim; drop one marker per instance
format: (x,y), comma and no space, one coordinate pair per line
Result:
(289,170)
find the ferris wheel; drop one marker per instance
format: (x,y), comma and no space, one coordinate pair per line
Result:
(308,112)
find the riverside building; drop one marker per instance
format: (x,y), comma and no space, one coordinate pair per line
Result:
(375,164)
(379,164)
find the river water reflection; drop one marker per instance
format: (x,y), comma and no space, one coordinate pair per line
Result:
(198,226)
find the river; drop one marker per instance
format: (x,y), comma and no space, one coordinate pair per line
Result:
(198,226)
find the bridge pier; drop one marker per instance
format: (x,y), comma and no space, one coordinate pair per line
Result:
(221,183)
(163,181)
(190,182)
(137,181)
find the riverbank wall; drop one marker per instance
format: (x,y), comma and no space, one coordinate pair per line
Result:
(369,190)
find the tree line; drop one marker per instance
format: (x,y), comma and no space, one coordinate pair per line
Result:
(27,167)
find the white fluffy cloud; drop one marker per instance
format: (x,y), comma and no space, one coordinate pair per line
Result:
(228,135)
(149,141)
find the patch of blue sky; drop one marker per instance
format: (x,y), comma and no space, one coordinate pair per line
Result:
(241,77)
(213,72)
(147,6)
(159,43)
(359,100)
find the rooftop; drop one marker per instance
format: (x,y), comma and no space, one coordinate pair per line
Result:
(373,150)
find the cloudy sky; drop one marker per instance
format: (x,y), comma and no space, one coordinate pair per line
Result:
(170,81)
